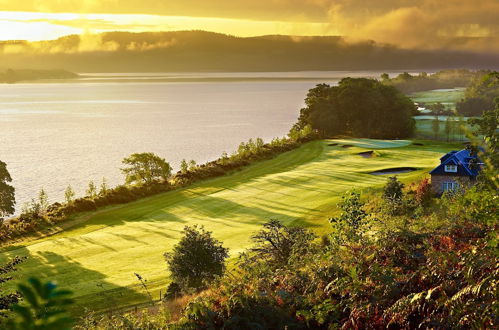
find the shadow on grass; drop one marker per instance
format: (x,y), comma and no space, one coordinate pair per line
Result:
(156,208)
(91,290)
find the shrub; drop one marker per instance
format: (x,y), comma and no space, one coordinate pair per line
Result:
(277,243)
(197,259)
(173,291)
(393,189)
(423,192)
(8,299)
(352,223)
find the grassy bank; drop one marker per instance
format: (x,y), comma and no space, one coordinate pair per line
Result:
(98,256)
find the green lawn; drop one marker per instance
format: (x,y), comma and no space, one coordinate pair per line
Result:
(449,97)
(97,257)
(424,128)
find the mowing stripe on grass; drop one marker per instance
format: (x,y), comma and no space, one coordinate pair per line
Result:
(98,256)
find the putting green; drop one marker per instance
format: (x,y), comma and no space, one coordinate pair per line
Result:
(98,256)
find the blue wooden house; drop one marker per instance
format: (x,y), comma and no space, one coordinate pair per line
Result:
(457,168)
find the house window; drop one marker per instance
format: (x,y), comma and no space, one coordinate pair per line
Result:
(450,186)
(451,168)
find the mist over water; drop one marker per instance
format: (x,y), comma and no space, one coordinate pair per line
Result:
(56,134)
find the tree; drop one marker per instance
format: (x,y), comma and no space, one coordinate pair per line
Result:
(69,195)
(35,208)
(173,291)
(144,168)
(197,258)
(448,127)
(487,126)
(7,192)
(435,126)
(461,128)
(437,108)
(43,200)
(91,190)
(259,143)
(224,159)
(351,225)
(393,189)
(357,107)
(480,94)
(192,165)
(276,243)
(103,187)
(184,167)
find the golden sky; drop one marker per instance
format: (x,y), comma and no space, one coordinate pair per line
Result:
(407,23)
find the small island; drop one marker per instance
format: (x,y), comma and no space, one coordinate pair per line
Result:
(11,76)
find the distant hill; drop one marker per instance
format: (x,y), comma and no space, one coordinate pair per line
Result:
(206,51)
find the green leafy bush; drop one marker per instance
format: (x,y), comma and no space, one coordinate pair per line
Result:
(44,307)
(197,259)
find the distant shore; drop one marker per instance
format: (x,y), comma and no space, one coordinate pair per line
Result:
(14,76)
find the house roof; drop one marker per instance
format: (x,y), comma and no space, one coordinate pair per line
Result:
(462,159)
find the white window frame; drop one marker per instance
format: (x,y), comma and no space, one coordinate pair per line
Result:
(450,186)
(451,168)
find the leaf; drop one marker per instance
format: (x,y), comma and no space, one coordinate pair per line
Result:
(29,295)
(24,312)
(35,283)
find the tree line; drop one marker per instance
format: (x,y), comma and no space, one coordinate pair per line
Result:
(411,83)
(358,107)
(145,174)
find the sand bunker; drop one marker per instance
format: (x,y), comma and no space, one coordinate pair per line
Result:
(366,154)
(394,170)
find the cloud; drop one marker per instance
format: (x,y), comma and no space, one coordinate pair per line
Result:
(296,10)
(428,24)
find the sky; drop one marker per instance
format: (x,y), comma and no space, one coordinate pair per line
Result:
(405,23)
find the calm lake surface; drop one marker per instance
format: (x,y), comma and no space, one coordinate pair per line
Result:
(55,134)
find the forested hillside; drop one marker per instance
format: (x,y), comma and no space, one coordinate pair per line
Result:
(206,51)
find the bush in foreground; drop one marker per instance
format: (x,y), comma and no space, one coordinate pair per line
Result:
(44,307)
(197,259)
